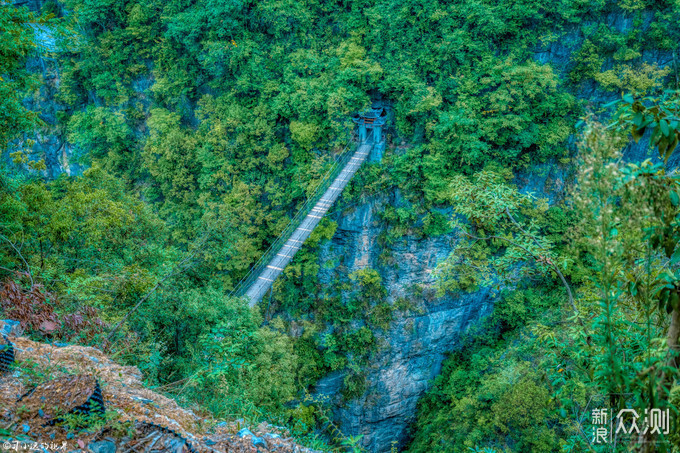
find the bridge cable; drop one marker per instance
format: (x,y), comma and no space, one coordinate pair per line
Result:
(254,271)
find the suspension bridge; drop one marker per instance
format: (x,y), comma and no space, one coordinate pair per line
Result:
(370,145)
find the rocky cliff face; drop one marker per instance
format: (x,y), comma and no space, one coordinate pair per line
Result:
(417,341)
(49,141)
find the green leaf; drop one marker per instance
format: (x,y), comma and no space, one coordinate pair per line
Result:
(665,130)
(638,118)
(655,134)
(674,198)
(675,258)
(669,149)
(628,98)
(662,144)
(647,122)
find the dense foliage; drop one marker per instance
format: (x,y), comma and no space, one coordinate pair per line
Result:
(205,125)
(531,380)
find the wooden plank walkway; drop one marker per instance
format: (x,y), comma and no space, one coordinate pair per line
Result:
(286,253)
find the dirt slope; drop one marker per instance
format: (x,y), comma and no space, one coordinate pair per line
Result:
(139,419)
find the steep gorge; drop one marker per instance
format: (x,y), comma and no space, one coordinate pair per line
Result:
(412,348)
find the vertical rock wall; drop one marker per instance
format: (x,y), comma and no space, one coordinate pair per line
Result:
(417,341)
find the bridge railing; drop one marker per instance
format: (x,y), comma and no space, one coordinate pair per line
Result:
(326,181)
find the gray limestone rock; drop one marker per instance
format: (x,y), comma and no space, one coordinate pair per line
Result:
(244,432)
(104,446)
(417,341)
(10,328)
(259,442)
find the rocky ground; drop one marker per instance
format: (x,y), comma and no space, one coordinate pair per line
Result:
(49,401)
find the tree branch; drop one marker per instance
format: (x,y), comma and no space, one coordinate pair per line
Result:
(554,266)
(529,252)
(28,268)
